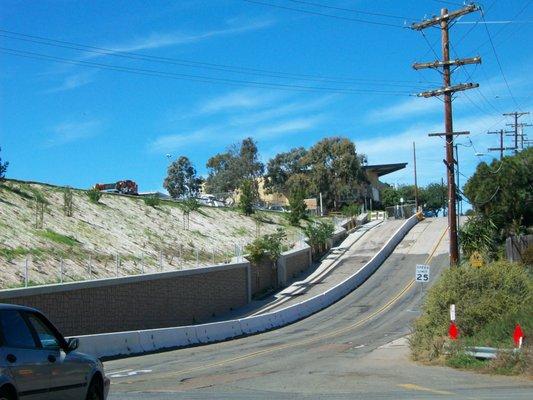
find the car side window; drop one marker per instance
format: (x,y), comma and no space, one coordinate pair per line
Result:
(46,336)
(16,331)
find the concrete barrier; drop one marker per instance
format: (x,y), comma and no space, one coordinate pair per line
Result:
(111,344)
(127,343)
(218,331)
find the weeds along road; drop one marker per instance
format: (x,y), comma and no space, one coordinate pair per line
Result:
(338,353)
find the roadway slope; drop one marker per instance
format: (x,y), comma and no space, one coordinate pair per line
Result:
(331,354)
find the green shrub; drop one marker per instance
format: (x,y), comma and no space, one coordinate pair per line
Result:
(58,238)
(269,246)
(152,201)
(479,233)
(319,232)
(489,301)
(94,195)
(351,210)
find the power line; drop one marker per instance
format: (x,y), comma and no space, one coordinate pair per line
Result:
(498,61)
(301,10)
(191,63)
(190,77)
(350,10)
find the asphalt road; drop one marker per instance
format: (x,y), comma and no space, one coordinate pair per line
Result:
(352,349)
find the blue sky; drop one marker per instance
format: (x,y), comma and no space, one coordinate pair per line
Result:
(228,69)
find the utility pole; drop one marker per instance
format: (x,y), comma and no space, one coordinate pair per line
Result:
(416,184)
(501,149)
(447,91)
(517,115)
(459,203)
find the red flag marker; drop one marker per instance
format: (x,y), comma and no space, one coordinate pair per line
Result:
(518,336)
(453,332)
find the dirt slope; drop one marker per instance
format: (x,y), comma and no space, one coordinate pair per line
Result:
(88,243)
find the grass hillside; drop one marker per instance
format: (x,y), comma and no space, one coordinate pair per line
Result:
(141,237)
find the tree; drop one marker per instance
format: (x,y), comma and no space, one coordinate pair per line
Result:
(3,168)
(502,192)
(189,205)
(181,180)
(228,170)
(246,198)
(297,207)
(434,197)
(286,173)
(68,206)
(335,170)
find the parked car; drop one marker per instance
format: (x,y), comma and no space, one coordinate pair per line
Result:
(277,207)
(37,363)
(430,214)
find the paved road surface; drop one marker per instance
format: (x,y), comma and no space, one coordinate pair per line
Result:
(349,350)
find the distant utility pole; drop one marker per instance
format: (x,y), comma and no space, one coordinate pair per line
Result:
(501,149)
(517,115)
(447,91)
(416,184)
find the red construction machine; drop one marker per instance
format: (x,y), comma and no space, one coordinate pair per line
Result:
(122,187)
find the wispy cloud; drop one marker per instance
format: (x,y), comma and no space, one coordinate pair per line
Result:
(74,81)
(265,115)
(72,131)
(238,100)
(405,109)
(156,40)
(398,147)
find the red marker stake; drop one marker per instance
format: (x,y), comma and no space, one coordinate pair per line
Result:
(453,332)
(517,336)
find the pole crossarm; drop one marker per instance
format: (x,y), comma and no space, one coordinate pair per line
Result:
(448,89)
(451,133)
(445,17)
(440,64)
(500,148)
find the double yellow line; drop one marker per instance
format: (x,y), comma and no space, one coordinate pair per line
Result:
(301,342)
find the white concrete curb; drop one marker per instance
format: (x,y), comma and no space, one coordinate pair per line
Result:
(138,342)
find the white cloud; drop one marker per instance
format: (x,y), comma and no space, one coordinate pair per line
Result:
(71,131)
(73,82)
(157,40)
(405,109)
(238,100)
(398,147)
(226,134)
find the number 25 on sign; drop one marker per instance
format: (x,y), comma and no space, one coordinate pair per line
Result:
(422,273)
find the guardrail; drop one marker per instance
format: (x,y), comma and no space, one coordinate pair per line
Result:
(113,345)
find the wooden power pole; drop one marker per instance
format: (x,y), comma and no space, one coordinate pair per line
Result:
(416,183)
(447,91)
(516,125)
(501,149)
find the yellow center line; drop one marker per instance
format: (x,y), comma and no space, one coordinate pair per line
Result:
(411,386)
(305,341)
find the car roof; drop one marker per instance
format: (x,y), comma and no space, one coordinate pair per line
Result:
(4,306)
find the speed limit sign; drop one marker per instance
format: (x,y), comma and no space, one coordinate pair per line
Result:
(422,273)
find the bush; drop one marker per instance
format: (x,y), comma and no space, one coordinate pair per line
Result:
(269,246)
(479,233)
(152,201)
(489,301)
(94,195)
(319,232)
(351,210)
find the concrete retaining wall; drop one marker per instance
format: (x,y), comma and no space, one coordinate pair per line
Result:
(138,302)
(127,343)
(293,262)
